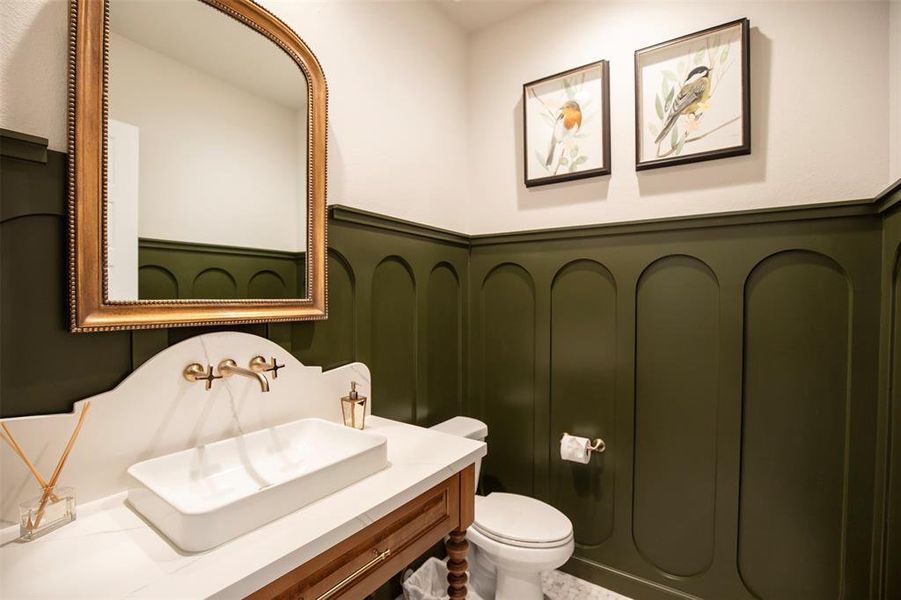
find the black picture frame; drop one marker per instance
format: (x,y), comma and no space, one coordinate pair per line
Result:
(745,146)
(604,169)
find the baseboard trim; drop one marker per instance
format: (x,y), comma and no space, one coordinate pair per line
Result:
(627,584)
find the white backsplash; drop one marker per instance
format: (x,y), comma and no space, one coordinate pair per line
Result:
(155,411)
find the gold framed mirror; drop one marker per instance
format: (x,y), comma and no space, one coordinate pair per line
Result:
(197,166)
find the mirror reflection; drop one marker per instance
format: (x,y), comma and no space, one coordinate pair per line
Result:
(207,157)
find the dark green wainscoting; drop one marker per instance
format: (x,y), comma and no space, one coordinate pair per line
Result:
(43,368)
(742,369)
(397,302)
(188,270)
(732,364)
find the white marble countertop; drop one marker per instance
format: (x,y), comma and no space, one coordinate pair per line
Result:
(111,552)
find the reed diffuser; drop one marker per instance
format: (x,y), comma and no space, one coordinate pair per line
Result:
(56,505)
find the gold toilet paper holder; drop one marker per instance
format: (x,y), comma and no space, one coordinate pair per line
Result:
(597,445)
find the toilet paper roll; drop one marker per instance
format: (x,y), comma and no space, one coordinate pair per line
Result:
(575,449)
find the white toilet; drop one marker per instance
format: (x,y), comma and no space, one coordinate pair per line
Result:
(514,538)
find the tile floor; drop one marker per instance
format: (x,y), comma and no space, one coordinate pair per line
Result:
(557,585)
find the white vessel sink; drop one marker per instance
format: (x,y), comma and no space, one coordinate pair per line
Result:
(202,497)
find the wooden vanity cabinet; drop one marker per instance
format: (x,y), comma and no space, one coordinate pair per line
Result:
(360,564)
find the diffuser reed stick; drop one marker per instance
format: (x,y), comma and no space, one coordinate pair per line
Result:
(9,439)
(59,465)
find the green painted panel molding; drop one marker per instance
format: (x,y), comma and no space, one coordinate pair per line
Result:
(742,368)
(188,270)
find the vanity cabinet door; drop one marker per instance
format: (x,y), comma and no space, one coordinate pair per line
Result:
(360,564)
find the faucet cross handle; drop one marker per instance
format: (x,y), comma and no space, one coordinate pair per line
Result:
(259,364)
(196,372)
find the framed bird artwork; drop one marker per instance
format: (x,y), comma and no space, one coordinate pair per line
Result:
(692,97)
(566,125)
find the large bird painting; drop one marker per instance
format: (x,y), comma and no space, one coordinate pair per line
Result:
(566,125)
(692,97)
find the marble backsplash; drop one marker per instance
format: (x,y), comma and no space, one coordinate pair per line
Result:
(155,411)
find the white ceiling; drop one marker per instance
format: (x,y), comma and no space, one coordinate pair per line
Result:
(473,15)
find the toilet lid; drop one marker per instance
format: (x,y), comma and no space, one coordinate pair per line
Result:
(516,519)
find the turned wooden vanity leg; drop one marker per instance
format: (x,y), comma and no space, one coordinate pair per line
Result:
(457,549)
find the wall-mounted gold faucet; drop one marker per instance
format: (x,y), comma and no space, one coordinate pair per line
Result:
(259,364)
(228,367)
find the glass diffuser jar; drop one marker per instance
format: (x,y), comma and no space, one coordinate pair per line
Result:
(42,514)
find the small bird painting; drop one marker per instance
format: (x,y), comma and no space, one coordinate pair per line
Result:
(567,124)
(695,92)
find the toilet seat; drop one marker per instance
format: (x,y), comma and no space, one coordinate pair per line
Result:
(521,521)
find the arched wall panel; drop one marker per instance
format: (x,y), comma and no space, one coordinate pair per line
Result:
(331,343)
(582,394)
(156,283)
(214,283)
(676,395)
(443,347)
(794,427)
(394,340)
(267,284)
(508,369)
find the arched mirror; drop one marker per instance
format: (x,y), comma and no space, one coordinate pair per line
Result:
(197,166)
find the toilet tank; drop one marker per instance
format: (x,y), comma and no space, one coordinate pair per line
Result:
(466,427)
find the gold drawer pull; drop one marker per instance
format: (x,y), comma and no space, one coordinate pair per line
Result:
(341,585)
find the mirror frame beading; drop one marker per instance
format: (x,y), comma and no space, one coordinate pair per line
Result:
(88,103)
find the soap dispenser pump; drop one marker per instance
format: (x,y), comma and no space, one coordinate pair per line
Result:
(353,408)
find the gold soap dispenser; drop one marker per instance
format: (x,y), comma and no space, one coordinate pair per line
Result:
(353,407)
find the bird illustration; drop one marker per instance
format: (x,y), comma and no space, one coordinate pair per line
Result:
(695,91)
(568,121)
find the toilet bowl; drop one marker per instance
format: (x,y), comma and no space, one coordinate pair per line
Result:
(513,538)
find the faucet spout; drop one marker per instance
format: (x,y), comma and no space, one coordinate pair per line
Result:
(228,367)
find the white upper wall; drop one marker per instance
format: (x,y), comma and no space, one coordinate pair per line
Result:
(396,73)
(819,111)
(33,45)
(425,122)
(895,95)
